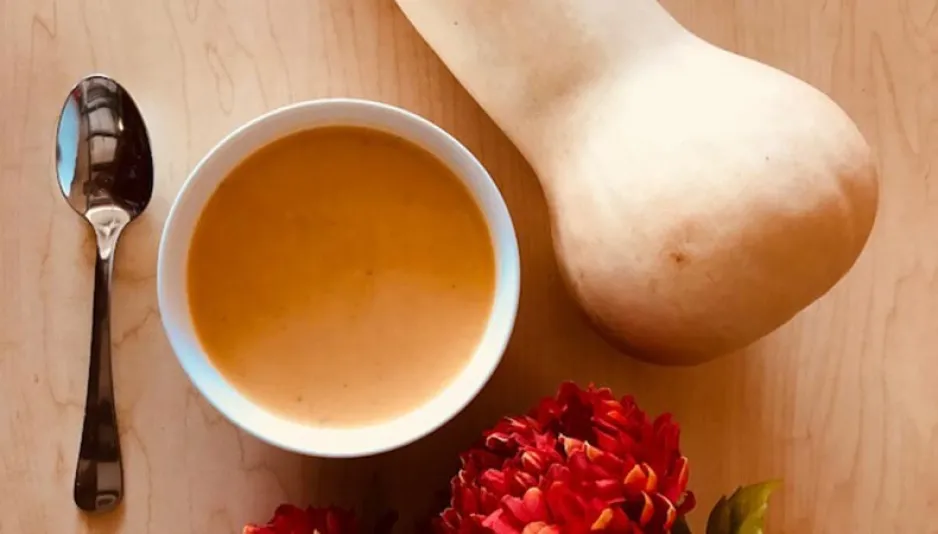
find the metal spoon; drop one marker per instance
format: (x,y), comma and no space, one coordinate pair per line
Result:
(105,170)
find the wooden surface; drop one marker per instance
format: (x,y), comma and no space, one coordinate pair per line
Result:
(841,403)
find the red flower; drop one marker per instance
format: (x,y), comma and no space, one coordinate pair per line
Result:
(292,520)
(580,462)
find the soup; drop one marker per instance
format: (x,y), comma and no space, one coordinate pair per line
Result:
(340,276)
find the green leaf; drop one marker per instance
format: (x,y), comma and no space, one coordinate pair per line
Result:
(680,526)
(720,520)
(743,512)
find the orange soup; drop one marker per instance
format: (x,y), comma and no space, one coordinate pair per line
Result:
(341,276)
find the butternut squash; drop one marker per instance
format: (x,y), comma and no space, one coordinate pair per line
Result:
(698,199)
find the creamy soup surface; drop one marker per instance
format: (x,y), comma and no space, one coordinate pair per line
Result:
(340,276)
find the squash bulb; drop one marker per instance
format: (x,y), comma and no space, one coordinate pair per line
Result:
(699,199)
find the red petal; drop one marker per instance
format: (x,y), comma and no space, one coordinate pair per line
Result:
(618,417)
(607,459)
(523,481)
(499,523)
(494,481)
(529,509)
(636,479)
(571,445)
(540,528)
(651,485)
(663,516)
(535,502)
(568,390)
(604,394)
(465,501)
(450,517)
(488,502)
(605,441)
(648,510)
(683,474)
(579,465)
(619,522)
(498,441)
(558,473)
(289,519)
(533,462)
(687,503)
(609,490)
(514,507)
(603,520)
(674,486)
(565,506)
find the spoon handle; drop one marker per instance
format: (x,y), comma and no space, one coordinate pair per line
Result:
(99,476)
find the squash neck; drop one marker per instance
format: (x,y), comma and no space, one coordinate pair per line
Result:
(537,66)
(593,47)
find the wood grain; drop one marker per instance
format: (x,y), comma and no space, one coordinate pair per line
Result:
(840,403)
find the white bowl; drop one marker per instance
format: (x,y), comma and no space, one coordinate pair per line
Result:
(255,419)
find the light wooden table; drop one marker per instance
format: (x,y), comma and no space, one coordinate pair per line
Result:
(841,403)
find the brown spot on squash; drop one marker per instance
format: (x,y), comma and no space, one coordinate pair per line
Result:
(679,258)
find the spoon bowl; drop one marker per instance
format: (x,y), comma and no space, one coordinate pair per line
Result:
(103,157)
(105,171)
